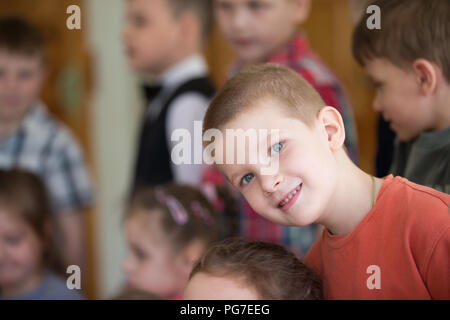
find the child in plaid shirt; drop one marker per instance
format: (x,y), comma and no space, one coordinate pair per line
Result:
(263,31)
(30,138)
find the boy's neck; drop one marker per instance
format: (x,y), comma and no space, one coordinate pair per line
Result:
(23,287)
(346,210)
(179,57)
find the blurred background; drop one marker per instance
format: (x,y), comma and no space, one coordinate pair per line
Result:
(91,89)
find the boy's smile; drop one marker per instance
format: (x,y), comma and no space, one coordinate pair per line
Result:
(302,186)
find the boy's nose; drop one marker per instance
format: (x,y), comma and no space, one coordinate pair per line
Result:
(270,183)
(240,19)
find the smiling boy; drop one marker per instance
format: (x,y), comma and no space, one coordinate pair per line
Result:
(395,227)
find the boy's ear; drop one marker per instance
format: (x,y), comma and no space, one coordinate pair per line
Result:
(302,10)
(333,124)
(426,76)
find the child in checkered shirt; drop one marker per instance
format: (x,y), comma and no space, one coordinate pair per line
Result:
(32,139)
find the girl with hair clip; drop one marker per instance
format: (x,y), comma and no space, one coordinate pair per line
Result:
(167,229)
(29,266)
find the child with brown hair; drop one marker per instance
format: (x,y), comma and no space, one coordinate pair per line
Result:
(33,139)
(383,238)
(29,265)
(408,60)
(237,269)
(164,40)
(167,228)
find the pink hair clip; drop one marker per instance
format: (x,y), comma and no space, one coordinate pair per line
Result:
(176,209)
(202,213)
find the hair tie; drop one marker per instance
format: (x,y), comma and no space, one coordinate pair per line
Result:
(176,209)
(202,213)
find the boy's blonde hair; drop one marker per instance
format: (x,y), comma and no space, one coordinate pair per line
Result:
(202,9)
(410,30)
(255,83)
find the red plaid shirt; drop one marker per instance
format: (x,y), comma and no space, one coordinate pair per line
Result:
(298,56)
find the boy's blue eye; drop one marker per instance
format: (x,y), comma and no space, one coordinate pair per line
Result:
(276,148)
(246,179)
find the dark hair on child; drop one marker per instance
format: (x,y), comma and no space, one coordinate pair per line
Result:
(184,213)
(23,194)
(274,271)
(18,36)
(410,30)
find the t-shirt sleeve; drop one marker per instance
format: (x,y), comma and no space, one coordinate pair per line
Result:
(437,273)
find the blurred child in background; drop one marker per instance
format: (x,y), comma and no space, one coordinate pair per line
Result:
(32,139)
(236,269)
(28,262)
(410,68)
(167,229)
(262,31)
(164,39)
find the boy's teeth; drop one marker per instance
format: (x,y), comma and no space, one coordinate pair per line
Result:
(291,194)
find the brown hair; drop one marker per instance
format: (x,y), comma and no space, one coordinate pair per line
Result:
(202,9)
(275,272)
(201,223)
(410,30)
(17,36)
(254,83)
(23,193)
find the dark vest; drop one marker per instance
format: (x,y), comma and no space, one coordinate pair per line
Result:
(153,164)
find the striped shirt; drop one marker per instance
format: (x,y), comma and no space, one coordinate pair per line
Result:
(47,148)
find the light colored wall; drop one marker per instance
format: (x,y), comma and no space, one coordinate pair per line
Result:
(114,117)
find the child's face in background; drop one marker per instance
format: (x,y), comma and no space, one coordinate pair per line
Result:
(398,99)
(151,35)
(256,28)
(305,162)
(21,79)
(20,252)
(203,286)
(152,263)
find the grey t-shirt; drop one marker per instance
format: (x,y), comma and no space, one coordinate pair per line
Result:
(51,287)
(426,160)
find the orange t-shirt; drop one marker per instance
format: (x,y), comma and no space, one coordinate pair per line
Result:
(400,250)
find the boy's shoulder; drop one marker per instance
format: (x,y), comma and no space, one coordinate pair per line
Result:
(299,56)
(43,128)
(415,212)
(407,198)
